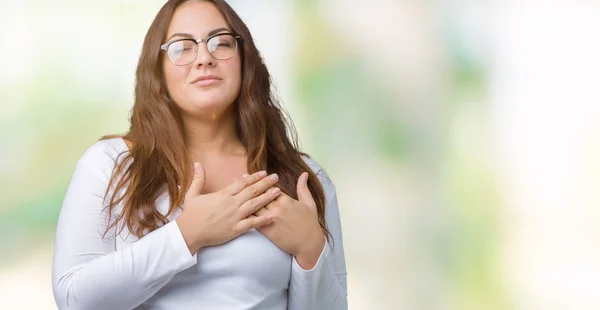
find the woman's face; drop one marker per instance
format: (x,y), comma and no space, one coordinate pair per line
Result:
(209,97)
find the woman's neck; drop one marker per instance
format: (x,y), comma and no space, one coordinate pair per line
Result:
(214,137)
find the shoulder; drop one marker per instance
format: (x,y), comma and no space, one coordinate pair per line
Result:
(103,151)
(102,155)
(321,173)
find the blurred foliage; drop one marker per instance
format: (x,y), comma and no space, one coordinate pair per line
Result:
(347,110)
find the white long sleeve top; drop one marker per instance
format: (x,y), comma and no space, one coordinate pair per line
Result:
(157,271)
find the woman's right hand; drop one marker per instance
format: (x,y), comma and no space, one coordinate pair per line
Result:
(218,217)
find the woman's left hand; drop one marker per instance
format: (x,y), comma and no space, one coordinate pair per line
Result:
(295,227)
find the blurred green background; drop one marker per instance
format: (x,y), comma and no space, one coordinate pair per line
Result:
(463,137)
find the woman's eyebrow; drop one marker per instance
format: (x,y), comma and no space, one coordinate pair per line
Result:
(215,31)
(187,35)
(180,34)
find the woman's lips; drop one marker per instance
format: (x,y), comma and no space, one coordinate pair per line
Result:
(206,82)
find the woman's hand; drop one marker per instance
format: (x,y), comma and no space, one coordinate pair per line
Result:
(218,217)
(295,227)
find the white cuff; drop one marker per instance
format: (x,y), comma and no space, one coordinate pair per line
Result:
(183,252)
(325,253)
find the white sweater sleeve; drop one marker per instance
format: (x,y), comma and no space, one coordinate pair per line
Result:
(88,272)
(324,286)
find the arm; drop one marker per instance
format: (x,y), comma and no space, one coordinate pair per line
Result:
(88,272)
(324,286)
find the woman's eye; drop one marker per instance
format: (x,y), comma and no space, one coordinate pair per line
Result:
(182,50)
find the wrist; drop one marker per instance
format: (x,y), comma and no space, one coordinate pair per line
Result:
(193,243)
(308,256)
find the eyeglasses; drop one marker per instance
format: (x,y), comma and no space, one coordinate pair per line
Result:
(221,46)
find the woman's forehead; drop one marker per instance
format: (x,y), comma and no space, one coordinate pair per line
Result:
(199,19)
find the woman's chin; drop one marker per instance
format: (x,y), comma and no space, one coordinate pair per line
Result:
(206,107)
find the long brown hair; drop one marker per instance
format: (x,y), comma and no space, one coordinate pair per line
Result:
(157,157)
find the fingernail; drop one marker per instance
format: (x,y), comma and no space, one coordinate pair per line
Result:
(274,177)
(196,166)
(262,173)
(244,175)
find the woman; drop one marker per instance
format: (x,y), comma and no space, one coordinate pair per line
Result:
(180,213)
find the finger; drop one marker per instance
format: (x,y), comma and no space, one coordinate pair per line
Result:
(257,188)
(198,180)
(240,183)
(253,222)
(304,194)
(257,203)
(262,212)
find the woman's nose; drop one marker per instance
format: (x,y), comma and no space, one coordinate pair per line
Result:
(203,57)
